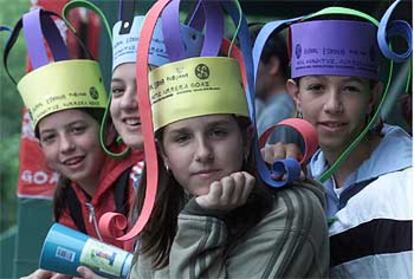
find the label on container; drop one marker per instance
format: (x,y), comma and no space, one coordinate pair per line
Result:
(103,258)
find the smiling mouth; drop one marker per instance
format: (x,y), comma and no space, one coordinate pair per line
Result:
(133,122)
(332,125)
(73,161)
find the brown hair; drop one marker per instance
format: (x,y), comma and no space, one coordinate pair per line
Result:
(59,199)
(158,235)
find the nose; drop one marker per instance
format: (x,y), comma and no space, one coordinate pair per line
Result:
(66,144)
(333,103)
(204,151)
(129,99)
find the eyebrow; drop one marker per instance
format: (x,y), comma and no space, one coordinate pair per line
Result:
(117,80)
(360,80)
(209,125)
(78,121)
(219,122)
(46,131)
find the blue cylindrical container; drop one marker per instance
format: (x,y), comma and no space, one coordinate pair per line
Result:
(64,250)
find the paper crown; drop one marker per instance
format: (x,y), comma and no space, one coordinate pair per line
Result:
(334,47)
(62,85)
(124,45)
(196,87)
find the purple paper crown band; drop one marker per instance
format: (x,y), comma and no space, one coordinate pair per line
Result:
(334,47)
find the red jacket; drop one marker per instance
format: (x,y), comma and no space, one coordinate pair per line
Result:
(104,199)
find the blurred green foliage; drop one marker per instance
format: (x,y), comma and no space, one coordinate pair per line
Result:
(10,113)
(9,163)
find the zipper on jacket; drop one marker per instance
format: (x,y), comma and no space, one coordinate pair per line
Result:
(92,219)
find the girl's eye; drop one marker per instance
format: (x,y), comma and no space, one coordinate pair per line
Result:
(78,129)
(181,138)
(47,139)
(314,87)
(117,91)
(352,89)
(219,133)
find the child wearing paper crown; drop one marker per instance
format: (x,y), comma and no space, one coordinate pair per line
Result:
(66,112)
(124,106)
(335,84)
(212,215)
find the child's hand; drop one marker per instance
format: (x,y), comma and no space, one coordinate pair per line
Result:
(229,193)
(86,273)
(278,151)
(45,274)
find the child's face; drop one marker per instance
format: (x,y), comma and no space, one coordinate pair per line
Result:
(124,105)
(337,106)
(202,150)
(70,143)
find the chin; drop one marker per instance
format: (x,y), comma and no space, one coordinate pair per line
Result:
(75,177)
(134,142)
(200,190)
(332,146)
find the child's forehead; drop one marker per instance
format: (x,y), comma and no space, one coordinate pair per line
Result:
(333,79)
(204,120)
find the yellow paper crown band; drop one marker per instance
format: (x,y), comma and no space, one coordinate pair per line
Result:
(196,87)
(62,85)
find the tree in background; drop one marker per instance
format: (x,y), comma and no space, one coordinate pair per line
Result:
(10,114)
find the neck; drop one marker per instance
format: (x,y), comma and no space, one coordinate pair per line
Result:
(89,185)
(362,152)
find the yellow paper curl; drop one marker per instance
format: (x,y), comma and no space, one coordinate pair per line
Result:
(62,85)
(196,87)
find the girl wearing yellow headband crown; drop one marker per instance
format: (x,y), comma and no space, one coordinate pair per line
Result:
(212,216)
(66,111)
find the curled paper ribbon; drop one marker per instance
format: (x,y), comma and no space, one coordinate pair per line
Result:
(387,29)
(147,126)
(107,226)
(214,26)
(39,24)
(286,171)
(43,98)
(305,130)
(290,167)
(394,28)
(88,5)
(5,28)
(126,15)
(105,125)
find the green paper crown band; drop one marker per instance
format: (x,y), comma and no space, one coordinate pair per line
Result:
(62,85)
(196,87)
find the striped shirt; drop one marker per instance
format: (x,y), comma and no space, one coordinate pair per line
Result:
(371,236)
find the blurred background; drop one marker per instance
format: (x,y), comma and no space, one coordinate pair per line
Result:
(25,219)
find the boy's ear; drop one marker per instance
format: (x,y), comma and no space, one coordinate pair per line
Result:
(376,93)
(293,90)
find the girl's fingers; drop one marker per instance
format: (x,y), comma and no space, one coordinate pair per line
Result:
(239,182)
(228,190)
(250,182)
